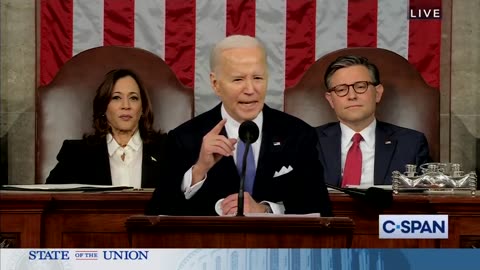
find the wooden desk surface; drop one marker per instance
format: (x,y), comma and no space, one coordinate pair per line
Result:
(266,231)
(42,219)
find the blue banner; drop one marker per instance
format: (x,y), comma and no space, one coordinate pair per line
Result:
(239,259)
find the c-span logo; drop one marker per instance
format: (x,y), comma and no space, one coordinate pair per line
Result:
(413,226)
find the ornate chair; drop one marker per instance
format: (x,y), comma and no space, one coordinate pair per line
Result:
(407,100)
(64,107)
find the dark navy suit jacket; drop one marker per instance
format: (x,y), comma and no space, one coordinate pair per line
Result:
(87,162)
(286,141)
(394,148)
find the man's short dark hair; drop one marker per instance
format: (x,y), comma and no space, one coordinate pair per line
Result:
(348,61)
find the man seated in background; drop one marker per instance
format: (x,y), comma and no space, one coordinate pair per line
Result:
(205,151)
(359,149)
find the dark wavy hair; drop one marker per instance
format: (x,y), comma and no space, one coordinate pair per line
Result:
(348,61)
(103,97)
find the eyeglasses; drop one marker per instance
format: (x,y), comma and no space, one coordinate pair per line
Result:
(359,87)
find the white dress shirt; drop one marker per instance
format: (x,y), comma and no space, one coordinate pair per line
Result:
(231,126)
(367,146)
(126,172)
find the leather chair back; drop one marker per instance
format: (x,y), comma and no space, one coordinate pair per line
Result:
(407,100)
(64,108)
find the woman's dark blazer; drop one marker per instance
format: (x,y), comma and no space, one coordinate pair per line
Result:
(86,161)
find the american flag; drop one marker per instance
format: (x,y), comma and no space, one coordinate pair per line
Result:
(182,32)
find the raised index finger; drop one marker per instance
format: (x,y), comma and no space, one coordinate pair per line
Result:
(218,128)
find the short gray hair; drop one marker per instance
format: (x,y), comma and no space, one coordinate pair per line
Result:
(233,42)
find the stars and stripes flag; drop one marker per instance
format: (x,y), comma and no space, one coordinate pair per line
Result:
(182,32)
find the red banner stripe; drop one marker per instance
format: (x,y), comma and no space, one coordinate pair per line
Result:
(180,39)
(362,23)
(300,39)
(119,23)
(56,27)
(424,43)
(240,17)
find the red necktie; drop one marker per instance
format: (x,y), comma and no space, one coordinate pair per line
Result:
(353,164)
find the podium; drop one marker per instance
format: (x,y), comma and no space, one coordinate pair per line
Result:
(97,220)
(272,231)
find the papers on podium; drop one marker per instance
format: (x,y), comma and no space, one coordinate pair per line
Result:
(365,187)
(63,187)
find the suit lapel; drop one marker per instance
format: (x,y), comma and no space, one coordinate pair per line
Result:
(331,152)
(384,149)
(102,165)
(264,150)
(270,146)
(226,164)
(148,167)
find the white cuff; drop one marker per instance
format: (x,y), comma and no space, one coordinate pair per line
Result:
(218,207)
(277,208)
(187,189)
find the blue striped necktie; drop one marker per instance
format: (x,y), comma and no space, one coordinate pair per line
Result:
(250,170)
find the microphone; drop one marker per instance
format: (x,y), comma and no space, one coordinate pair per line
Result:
(248,133)
(375,196)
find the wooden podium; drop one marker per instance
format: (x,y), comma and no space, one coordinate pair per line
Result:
(239,232)
(97,220)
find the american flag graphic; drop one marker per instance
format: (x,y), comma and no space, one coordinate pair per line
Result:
(182,32)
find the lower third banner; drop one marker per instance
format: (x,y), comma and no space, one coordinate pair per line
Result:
(238,259)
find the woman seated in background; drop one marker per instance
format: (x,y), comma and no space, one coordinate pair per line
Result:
(124,149)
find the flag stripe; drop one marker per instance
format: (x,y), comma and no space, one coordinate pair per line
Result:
(150,26)
(295,34)
(424,43)
(362,23)
(180,39)
(331,31)
(210,28)
(87,25)
(56,38)
(270,29)
(392,29)
(300,39)
(118,20)
(240,17)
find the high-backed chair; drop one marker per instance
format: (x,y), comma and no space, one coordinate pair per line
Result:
(407,100)
(64,107)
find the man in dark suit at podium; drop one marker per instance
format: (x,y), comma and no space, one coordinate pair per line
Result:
(285,174)
(359,149)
